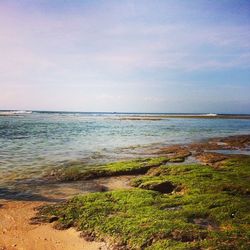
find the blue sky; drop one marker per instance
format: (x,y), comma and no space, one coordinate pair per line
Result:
(141,56)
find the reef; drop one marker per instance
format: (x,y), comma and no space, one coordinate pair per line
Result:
(170,206)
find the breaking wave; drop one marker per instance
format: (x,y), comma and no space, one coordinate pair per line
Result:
(15,112)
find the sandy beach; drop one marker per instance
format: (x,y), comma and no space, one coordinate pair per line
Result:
(17,233)
(124,125)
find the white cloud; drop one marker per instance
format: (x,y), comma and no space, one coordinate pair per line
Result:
(99,47)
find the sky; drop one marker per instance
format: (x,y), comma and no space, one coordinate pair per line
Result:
(125,56)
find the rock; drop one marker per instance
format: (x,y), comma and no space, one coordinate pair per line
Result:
(162,187)
(210,157)
(53,218)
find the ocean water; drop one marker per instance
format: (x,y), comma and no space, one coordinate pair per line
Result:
(33,142)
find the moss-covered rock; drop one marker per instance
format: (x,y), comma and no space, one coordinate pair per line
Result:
(131,167)
(212,213)
(161,186)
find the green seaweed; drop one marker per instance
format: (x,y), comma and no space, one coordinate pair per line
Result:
(209,209)
(131,167)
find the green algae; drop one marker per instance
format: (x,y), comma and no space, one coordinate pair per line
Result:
(131,167)
(209,209)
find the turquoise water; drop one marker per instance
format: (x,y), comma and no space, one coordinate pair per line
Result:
(33,142)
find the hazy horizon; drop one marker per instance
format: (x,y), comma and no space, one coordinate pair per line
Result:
(125,56)
(124,111)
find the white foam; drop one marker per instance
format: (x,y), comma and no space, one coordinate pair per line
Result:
(15,112)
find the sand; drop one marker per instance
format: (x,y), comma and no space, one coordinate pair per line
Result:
(16,232)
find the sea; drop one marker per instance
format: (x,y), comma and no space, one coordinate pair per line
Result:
(33,141)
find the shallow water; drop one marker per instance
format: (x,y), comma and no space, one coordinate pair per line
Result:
(31,143)
(231,152)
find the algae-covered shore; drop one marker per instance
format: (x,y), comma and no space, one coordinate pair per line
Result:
(167,202)
(184,206)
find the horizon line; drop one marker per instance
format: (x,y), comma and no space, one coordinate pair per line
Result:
(119,112)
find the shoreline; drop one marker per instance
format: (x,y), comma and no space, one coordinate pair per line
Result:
(10,210)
